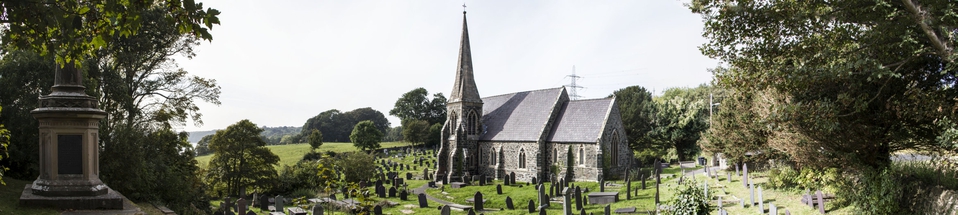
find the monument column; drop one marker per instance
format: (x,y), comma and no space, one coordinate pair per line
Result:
(69,149)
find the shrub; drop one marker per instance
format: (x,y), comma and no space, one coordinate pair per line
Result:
(783,177)
(690,198)
(876,192)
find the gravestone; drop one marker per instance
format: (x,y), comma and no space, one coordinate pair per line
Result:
(318,209)
(761,202)
(229,203)
(241,206)
(471,212)
(403,195)
(736,171)
(582,211)
(422,200)
(392,192)
(719,202)
(509,204)
(601,185)
(787,212)
(729,177)
(542,195)
(772,209)
(744,174)
(425,173)
(578,198)
(408,176)
(533,180)
(607,210)
(477,201)
(499,189)
(264,203)
(532,206)
(566,201)
(505,180)
(444,210)
(482,180)
(751,190)
(643,181)
(741,203)
(381,191)
(821,201)
(628,186)
(279,201)
(512,177)
(552,189)
(378,210)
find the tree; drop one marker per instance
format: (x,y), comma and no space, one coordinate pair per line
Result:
(4,141)
(203,146)
(415,131)
(857,79)
(569,165)
(315,139)
(356,166)
(435,135)
(681,116)
(336,126)
(393,134)
(74,30)
(637,111)
(24,77)
(241,159)
(414,105)
(365,136)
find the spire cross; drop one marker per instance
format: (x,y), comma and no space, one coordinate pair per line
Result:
(463,7)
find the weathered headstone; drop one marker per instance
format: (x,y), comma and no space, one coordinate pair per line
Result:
(378,210)
(552,189)
(280,202)
(751,190)
(542,194)
(720,202)
(477,202)
(578,198)
(772,209)
(729,177)
(601,185)
(408,176)
(509,203)
(744,174)
(444,210)
(761,202)
(228,203)
(241,206)
(821,201)
(534,180)
(628,186)
(423,203)
(392,192)
(264,203)
(512,177)
(499,189)
(471,212)
(567,201)
(643,181)
(532,206)
(403,195)
(787,212)
(318,209)
(736,171)
(607,210)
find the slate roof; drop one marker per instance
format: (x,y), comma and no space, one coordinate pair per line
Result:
(580,121)
(518,116)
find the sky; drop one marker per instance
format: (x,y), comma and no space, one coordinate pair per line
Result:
(282,62)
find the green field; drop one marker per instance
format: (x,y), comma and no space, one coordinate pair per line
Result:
(292,153)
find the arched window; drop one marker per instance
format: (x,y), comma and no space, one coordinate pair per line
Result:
(492,157)
(555,156)
(472,124)
(581,156)
(614,144)
(522,158)
(452,119)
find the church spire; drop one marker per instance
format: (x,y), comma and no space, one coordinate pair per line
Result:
(465,86)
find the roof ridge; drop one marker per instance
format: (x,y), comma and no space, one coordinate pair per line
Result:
(513,93)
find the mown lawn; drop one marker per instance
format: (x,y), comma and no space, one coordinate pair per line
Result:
(292,153)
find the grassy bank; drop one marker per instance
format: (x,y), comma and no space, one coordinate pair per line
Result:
(292,153)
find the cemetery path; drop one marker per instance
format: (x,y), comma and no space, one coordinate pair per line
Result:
(422,190)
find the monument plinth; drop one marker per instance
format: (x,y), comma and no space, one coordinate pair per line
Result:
(69,149)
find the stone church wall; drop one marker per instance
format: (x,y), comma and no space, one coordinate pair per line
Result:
(586,169)
(614,125)
(510,158)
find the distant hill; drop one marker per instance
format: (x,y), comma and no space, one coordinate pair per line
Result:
(272,135)
(195,136)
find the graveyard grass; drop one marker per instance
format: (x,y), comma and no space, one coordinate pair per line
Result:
(290,154)
(783,199)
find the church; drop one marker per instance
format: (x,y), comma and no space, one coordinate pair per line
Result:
(527,133)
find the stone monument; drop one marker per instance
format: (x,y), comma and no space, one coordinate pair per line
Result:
(69,149)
